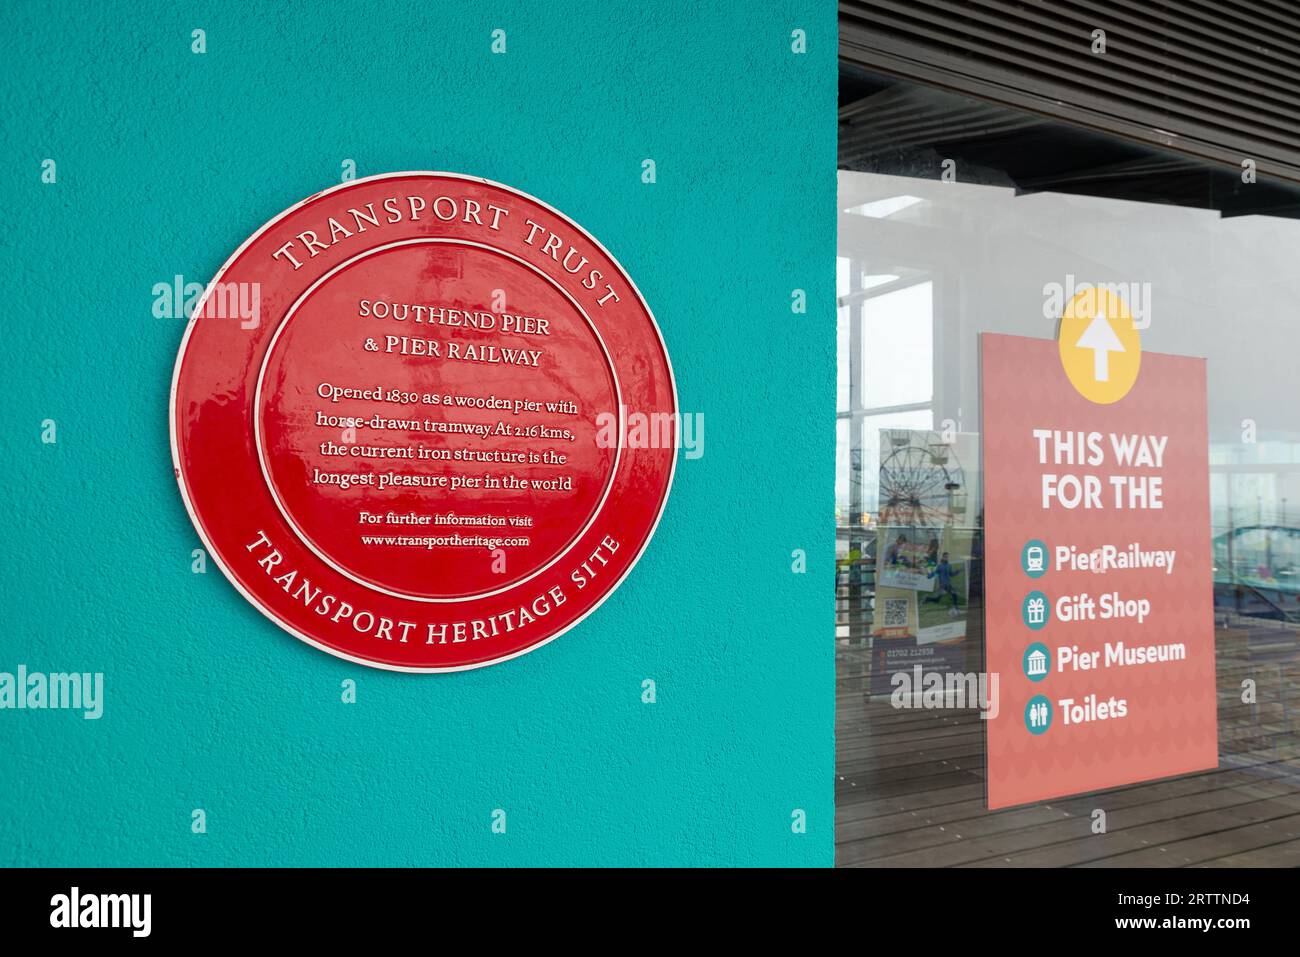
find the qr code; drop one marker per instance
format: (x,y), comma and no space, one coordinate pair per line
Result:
(895,612)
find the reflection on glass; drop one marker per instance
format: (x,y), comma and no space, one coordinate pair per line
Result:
(925,267)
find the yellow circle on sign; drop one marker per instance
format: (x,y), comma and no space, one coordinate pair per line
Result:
(1101,351)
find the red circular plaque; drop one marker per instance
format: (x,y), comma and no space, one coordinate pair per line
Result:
(423,421)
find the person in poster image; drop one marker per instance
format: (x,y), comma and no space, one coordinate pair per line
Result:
(945,573)
(894,553)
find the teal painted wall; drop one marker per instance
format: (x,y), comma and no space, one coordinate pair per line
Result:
(166,161)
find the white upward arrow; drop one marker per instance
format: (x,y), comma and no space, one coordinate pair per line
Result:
(1101,339)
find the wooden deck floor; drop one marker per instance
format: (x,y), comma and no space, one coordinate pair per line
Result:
(909,786)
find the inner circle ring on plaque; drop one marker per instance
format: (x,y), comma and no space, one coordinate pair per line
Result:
(365,577)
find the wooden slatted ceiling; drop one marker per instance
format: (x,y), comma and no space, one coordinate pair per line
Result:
(1218,80)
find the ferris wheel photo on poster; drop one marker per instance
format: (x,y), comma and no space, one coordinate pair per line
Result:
(928,536)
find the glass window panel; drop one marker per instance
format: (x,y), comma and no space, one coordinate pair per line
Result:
(842,434)
(842,359)
(898,347)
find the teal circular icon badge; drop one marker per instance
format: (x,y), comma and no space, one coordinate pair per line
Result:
(1037,661)
(1036,611)
(1033,558)
(1038,714)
